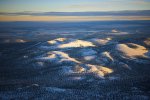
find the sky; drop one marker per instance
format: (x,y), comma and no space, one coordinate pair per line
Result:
(13,6)
(72,5)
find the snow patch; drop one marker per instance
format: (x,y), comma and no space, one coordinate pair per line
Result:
(77,78)
(88,58)
(124,65)
(35,85)
(114,31)
(54,89)
(20,41)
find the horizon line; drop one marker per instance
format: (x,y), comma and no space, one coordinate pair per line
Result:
(82,13)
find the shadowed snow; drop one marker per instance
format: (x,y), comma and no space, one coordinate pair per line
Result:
(88,54)
(147,41)
(54,89)
(105,58)
(124,65)
(107,55)
(115,32)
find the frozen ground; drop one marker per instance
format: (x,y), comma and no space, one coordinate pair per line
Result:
(112,64)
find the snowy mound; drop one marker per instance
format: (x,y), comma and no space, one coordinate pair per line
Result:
(62,43)
(76,43)
(57,57)
(132,50)
(99,71)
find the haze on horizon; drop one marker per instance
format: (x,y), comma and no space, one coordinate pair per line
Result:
(9,8)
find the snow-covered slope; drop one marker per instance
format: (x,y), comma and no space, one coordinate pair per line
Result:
(57,57)
(101,42)
(132,50)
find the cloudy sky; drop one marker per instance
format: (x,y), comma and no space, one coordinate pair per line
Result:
(7,7)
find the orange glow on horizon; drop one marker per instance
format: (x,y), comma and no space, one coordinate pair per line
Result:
(71,18)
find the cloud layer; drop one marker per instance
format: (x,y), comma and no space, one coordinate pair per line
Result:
(108,13)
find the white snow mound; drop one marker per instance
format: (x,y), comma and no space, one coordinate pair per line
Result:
(76,43)
(132,50)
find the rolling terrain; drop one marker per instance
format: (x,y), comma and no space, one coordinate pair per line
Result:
(108,60)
